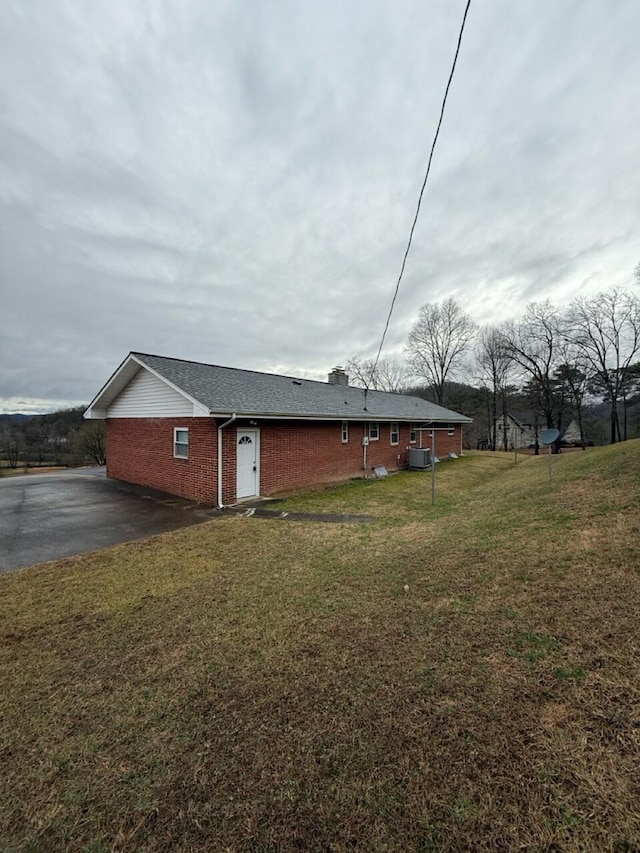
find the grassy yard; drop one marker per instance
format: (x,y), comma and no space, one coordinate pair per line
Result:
(462,677)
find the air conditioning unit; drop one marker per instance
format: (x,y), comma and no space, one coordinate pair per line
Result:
(419,458)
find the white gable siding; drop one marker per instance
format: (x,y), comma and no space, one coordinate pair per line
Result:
(146,396)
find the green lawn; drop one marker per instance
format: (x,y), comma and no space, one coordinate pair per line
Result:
(457,677)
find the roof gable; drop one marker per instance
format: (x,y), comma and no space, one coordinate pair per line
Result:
(125,385)
(147,395)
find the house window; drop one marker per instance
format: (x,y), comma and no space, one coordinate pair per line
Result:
(181,443)
(394,433)
(374,431)
(413,434)
(452,429)
(345,432)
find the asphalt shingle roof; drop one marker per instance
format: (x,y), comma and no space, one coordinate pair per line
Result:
(247,392)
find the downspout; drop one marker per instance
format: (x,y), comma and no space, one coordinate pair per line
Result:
(220,428)
(364,450)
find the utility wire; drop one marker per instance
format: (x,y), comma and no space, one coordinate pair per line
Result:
(424,184)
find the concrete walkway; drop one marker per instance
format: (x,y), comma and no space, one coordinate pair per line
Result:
(330,518)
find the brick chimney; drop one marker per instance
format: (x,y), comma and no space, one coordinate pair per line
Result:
(338,377)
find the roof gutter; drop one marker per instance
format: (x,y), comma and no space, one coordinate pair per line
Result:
(220,428)
(346,416)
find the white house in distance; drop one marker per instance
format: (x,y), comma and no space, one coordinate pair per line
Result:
(572,435)
(521,430)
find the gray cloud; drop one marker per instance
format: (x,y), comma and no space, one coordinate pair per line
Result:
(235,182)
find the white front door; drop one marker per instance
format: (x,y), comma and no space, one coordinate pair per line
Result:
(248,463)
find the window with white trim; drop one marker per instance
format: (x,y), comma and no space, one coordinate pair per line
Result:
(394,433)
(181,442)
(413,433)
(452,429)
(345,432)
(374,431)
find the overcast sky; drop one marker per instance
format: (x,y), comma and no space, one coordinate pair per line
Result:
(234,182)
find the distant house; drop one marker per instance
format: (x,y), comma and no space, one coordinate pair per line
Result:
(219,435)
(572,435)
(521,430)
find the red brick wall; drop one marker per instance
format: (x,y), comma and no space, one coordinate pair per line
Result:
(445,443)
(293,454)
(140,450)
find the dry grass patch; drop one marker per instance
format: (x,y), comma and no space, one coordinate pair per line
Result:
(448,678)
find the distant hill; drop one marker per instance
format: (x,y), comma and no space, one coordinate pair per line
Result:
(14,418)
(50,438)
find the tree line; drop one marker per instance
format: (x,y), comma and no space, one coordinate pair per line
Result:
(561,363)
(58,439)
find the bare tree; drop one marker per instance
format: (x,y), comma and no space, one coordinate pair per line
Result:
(574,375)
(494,364)
(437,343)
(10,445)
(390,374)
(93,441)
(606,328)
(533,344)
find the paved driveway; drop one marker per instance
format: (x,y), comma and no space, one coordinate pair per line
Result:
(48,516)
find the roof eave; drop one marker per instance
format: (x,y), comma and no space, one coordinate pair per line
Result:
(97,408)
(347,416)
(118,381)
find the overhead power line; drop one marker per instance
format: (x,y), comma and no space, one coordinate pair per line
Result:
(424,184)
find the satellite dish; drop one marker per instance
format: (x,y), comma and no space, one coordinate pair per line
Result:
(549,435)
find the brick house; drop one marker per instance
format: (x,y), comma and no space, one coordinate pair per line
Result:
(218,435)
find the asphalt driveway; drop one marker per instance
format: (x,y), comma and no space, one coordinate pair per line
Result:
(48,516)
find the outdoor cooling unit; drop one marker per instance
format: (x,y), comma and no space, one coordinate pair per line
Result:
(419,457)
